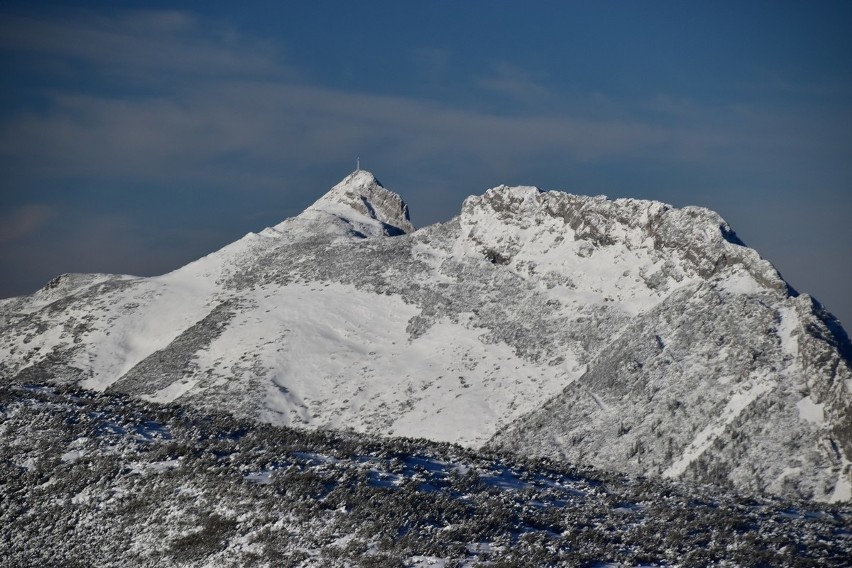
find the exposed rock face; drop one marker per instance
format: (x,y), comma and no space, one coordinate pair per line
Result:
(626,334)
(694,389)
(698,241)
(363,202)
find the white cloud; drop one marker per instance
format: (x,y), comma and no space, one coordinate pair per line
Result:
(142,43)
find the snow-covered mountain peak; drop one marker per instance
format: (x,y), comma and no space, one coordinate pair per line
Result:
(625,333)
(363,207)
(544,231)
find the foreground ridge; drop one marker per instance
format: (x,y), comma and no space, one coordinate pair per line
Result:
(112,481)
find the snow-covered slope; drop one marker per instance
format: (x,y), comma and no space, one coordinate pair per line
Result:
(626,334)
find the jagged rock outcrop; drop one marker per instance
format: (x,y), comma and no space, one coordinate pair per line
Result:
(361,205)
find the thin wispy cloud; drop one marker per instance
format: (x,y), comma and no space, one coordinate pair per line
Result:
(142,43)
(265,123)
(187,130)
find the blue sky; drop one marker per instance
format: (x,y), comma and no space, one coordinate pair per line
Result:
(135,137)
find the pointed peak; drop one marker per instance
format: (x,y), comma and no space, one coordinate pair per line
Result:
(359,179)
(360,199)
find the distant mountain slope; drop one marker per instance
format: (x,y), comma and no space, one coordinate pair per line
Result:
(626,334)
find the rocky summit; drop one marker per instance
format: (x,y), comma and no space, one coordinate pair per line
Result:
(623,334)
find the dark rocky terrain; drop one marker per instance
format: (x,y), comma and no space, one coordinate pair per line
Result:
(92,479)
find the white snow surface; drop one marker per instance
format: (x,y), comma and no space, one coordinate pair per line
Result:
(335,356)
(843,487)
(811,411)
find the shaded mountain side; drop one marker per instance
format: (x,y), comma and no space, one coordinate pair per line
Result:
(688,391)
